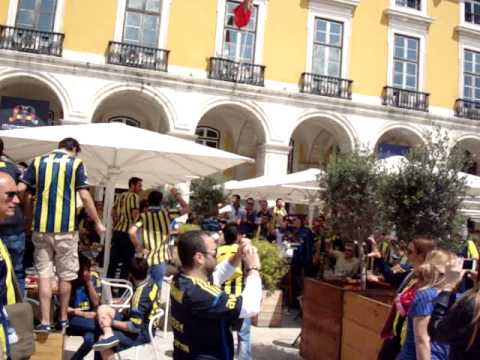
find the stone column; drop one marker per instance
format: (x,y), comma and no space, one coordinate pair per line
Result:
(272,159)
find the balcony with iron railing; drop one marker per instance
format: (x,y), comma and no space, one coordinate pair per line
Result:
(326,86)
(405,99)
(466,108)
(32,41)
(137,56)
(234,71)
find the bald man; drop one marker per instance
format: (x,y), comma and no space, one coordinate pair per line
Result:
(8,202)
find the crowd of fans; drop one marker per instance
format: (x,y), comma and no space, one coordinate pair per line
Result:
(212,268)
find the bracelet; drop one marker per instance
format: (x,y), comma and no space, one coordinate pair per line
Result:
(253,268)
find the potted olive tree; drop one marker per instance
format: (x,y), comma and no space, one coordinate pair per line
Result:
(274,266)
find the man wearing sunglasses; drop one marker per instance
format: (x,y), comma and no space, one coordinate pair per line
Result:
(201,312)
(8,203)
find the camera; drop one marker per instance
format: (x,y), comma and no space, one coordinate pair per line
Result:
(470,264)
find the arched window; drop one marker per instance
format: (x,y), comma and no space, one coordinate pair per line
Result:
(125,120)
(208,136)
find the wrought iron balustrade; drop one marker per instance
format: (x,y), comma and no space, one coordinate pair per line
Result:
(137,56)
(32,41)
(229,70)
(469,109)
(405,99)
(326,86)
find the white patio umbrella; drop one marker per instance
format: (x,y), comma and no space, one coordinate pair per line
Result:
(114,152)
(299,188)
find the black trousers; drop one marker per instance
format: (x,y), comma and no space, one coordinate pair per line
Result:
(121,256)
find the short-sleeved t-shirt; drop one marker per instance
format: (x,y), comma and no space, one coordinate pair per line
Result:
(422,305)
(344,267)
(124,205)
(201,317)
(80,298)
(55,177)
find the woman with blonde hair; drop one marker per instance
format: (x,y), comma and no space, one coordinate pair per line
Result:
(457,323)
(431,280)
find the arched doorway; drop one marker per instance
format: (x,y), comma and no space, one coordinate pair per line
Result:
(397,141)
(233,128)
(317,140)
(470,148)
(132,108)
(30,98)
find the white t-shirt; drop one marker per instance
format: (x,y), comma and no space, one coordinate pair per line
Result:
(346,267)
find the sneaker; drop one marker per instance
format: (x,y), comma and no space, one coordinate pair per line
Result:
(42,329)
(106,344)
(62,325)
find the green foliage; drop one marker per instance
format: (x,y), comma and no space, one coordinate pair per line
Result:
(206,194)
(351,184)
(274,264)
(424,196)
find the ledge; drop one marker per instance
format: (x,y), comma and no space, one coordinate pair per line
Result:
(347,4)
(468,31)
(409,17)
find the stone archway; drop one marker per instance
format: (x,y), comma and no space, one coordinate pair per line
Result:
(397,140)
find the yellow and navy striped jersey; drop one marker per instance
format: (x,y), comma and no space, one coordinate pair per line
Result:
(55,177)
(144,305)
(155,225)
(235,284)
(202,315)
(124,205)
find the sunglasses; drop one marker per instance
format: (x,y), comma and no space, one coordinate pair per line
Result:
(11,194)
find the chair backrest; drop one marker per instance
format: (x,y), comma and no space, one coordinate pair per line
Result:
(123,301)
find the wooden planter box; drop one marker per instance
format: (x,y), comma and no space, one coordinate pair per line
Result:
(271,311)
(363,319)
(339,323)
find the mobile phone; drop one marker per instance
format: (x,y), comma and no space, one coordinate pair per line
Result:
(469,264)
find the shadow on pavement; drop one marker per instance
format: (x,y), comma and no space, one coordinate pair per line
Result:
(270,352)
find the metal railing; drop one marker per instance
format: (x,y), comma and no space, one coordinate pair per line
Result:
(405,99)
(229,70)
(469,109)
(137,56)
(326,86)
(32,41)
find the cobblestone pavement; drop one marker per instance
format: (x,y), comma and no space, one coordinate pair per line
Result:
(267,343)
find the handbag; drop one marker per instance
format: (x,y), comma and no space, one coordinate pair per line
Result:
(20,316)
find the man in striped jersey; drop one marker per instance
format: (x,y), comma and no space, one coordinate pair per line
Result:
(125,213)
(155,226)
(234,286)
(56,178)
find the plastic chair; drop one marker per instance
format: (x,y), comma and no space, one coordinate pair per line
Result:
(121,303)
(164,294)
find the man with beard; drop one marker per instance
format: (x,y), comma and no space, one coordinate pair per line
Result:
(201,312)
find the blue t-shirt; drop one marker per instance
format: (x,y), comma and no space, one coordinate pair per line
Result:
(422,305)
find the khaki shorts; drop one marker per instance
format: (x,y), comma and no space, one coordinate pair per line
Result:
(60,250)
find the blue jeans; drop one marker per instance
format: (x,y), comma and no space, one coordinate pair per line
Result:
(89,329)
(157,272)
(16,247)
(244,344)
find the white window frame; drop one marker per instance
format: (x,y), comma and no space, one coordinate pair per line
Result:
(465,44)
(58,18)
(162,32)
(405,61)
(422,11)
(462,17)
(260,34)
(335,10)
(125,120)
(203,139)
(467,48)
(329,47)
(399,27)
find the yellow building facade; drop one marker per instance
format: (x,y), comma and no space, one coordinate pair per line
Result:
(303,81)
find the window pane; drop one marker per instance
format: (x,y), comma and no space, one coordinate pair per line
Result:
(27,4)
(47,6)
(133,19)
(252,25)
(132,35)
(212,134)
(412,82)
(468,66)
(467,92)
(335,39)
(468,80)
(136,4)
(153,5)
(477,82)
(335,55)
(398,80)
(477,94)
(25,19)
(319,59)
(150,23)
(398,66)
(45,22)
(412,69)
(468,56)
(334,69)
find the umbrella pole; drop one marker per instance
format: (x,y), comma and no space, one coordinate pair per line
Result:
(311,209)
(107,218)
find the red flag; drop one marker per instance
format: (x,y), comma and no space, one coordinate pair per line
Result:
(243,12)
